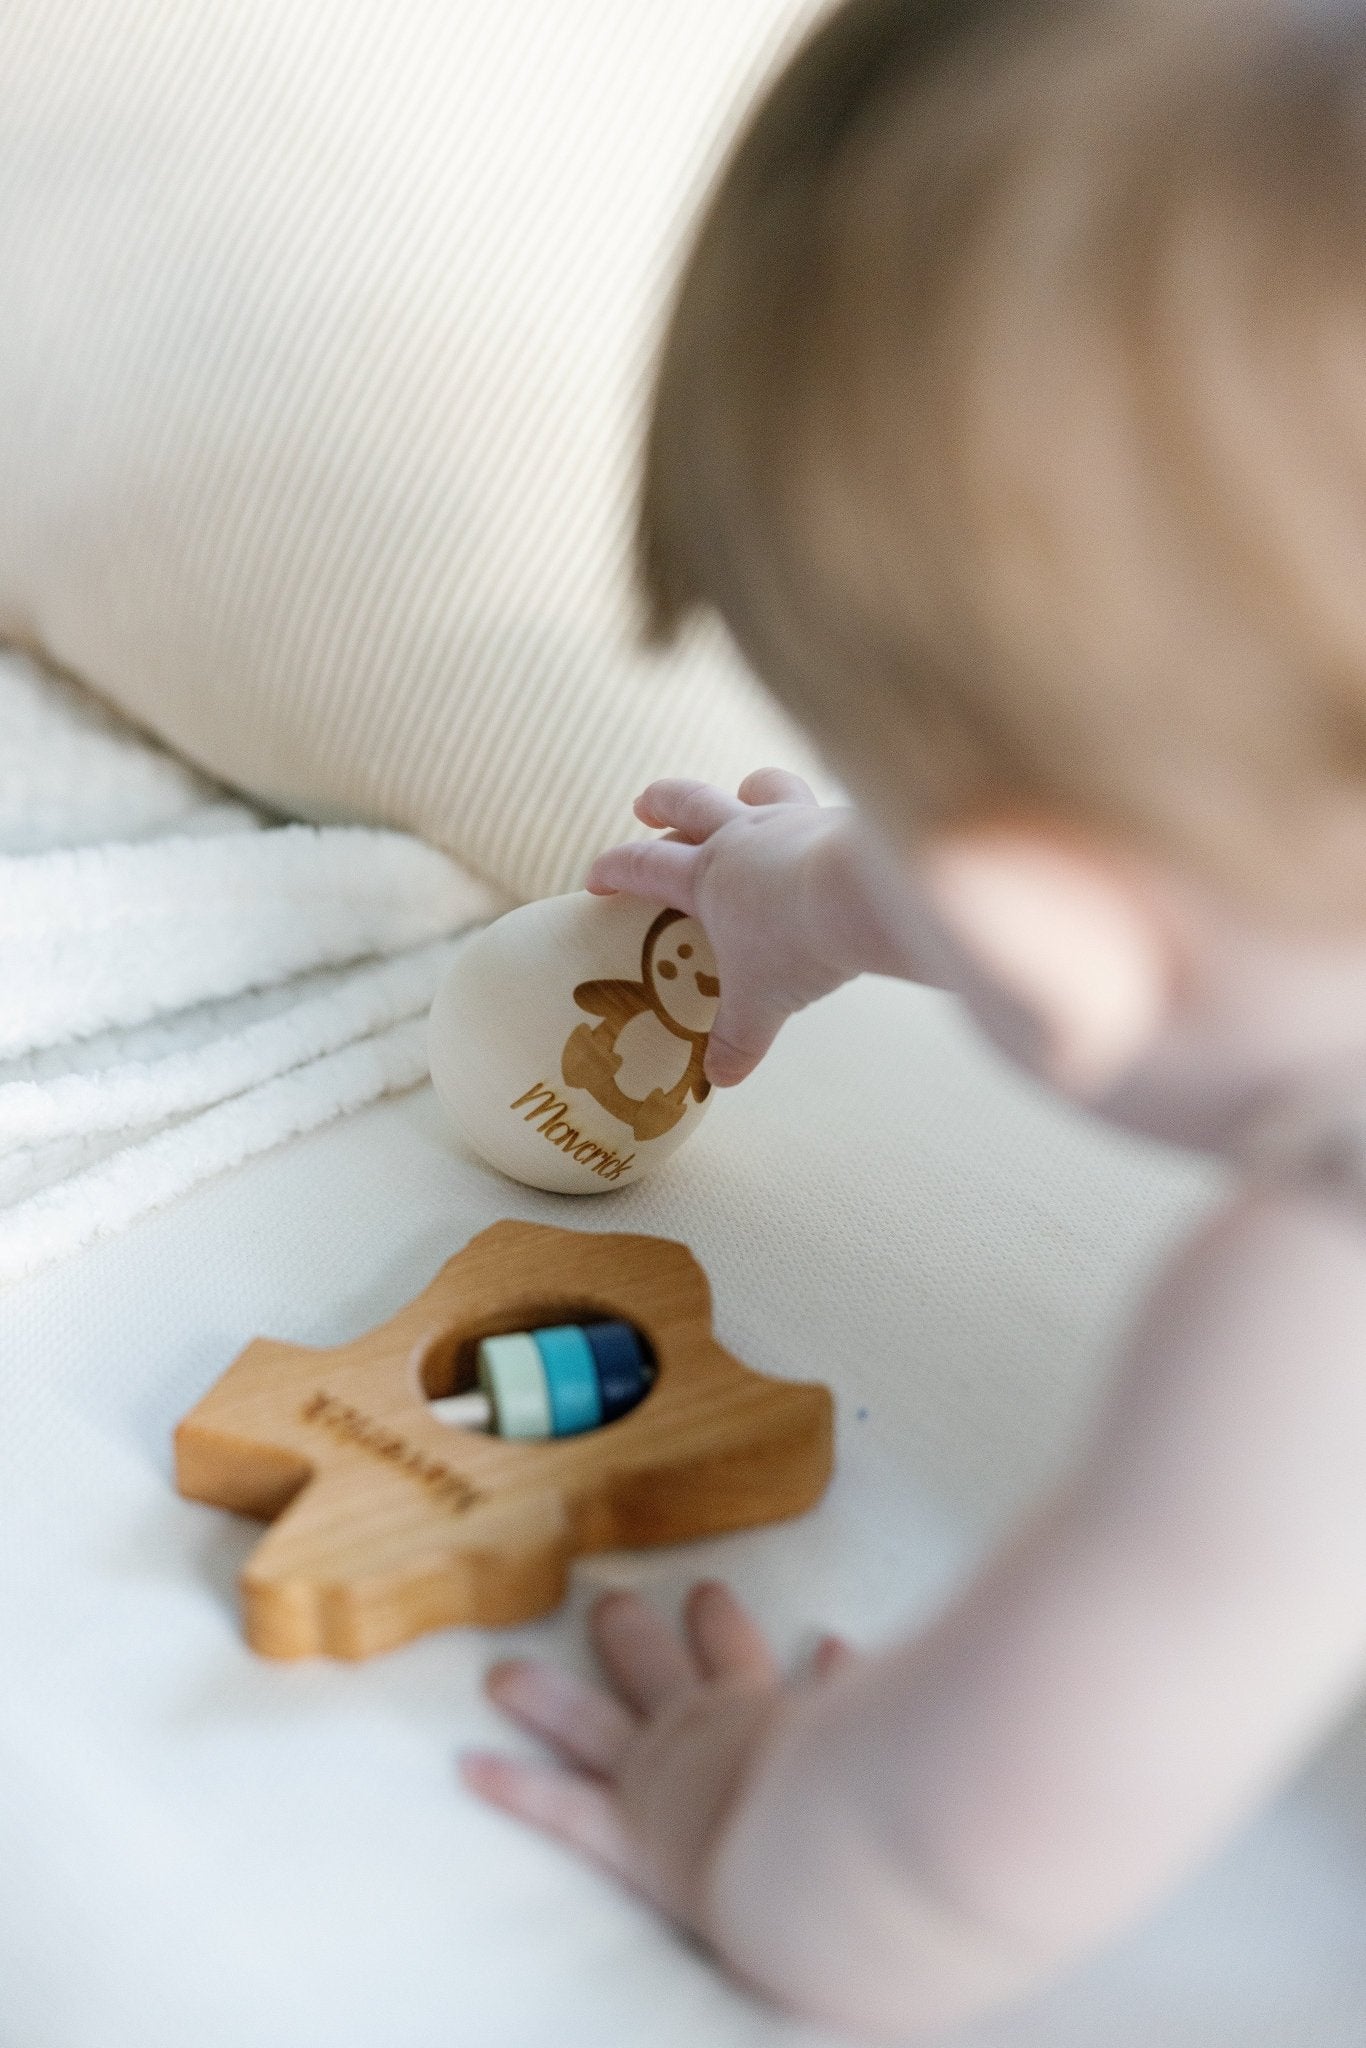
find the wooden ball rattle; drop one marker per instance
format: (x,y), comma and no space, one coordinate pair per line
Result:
(567,1040)
(596,1411)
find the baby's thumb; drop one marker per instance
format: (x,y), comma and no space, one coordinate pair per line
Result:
(739,1039)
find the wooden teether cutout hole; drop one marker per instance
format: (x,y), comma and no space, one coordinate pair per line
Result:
(387,1522)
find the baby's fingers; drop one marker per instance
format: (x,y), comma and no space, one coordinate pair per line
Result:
(660,870)
(577,1811)
(832,1655)
(776,786)
(696,809)
(724,1638)
(581,1723)
(739,1039)
(640,1652)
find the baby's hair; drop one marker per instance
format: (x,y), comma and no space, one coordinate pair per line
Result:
(1012,415)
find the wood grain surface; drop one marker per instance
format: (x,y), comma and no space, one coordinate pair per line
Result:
(387,1522)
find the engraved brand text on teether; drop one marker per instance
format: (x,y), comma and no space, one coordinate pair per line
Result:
(554,1125)
(341,1420)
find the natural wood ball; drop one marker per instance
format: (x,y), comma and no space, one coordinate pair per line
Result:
(567,1042)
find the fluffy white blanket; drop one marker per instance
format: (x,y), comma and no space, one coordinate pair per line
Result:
(183,982)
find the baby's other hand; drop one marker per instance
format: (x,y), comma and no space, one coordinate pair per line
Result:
(648,1765)
(753,868)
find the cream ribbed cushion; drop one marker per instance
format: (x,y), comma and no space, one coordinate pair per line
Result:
(323,350)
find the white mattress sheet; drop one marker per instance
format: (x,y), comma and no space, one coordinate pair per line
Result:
(202,1847)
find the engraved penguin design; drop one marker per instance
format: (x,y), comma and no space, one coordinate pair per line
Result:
(629,1063)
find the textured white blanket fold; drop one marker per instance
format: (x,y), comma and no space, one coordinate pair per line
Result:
(183,984)
(113,935)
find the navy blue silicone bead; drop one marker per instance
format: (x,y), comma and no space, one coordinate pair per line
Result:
(624,1374)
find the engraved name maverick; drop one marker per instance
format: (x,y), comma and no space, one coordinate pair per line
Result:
(341,1420)
(551,1117)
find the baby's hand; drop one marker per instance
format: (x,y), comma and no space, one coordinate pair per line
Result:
(763,873)
(655,1761)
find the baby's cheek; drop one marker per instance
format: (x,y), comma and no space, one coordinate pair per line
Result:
(998,1014)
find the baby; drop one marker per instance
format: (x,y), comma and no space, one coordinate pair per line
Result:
(1013,418)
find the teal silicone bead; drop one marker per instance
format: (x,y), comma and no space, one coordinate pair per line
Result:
(572,1377)
(513,1376)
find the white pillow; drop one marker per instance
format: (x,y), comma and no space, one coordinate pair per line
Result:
(323,352)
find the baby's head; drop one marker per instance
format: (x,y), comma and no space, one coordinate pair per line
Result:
(1013,417)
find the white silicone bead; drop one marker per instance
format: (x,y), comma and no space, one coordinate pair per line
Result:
(512,1374)
(463,1411)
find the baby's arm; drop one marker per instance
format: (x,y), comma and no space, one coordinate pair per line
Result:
(787,890)
(938,1828)
(1120,1687)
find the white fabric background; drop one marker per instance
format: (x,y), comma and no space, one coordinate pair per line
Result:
(328,326)
(203,1848)
(182,984)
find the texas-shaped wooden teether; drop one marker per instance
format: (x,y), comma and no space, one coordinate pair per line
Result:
(387,1521)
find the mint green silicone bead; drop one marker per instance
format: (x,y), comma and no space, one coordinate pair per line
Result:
(512,1375)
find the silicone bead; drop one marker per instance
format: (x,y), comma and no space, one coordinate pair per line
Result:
(572,1377)
(512,1374)
(463,1411)
(624,1375)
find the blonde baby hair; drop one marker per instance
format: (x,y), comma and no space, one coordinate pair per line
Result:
(1012,414)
